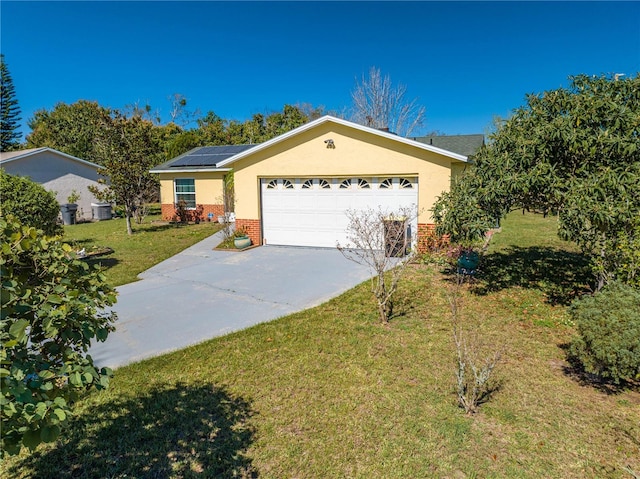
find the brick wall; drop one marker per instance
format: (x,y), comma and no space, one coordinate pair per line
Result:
(253,229)
(169,211)
(427,238)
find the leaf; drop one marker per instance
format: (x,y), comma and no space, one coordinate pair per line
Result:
(17,329)
(31,439)
(49,433)
(60,414)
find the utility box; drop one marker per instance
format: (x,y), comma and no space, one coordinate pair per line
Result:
(101,211)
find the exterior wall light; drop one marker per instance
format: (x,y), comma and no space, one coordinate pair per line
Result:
(330,143)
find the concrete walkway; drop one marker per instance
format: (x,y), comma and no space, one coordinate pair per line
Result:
(201,293)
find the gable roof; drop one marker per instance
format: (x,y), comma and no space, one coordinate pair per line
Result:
(466,145)
(340,121)
(201,158)
(9,156)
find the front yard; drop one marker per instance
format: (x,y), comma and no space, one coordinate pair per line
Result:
(329,392)
(152,242)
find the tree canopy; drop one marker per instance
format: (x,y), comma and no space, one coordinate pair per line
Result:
(9,111)
(574,152)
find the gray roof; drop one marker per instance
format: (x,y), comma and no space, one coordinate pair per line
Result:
(203,157)
(466,145)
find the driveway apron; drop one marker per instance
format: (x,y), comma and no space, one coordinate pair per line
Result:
(202,293)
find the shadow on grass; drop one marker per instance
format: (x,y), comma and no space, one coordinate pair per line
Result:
(575,370)
(561,275)
(179,431)
(104,263)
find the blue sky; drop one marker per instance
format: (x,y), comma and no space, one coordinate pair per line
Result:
(466,62)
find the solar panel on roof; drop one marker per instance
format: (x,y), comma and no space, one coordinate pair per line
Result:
(209,155)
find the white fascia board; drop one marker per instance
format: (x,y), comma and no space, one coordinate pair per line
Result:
(340,121)
(191,170)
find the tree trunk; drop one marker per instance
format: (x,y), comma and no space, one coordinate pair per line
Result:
(128,220)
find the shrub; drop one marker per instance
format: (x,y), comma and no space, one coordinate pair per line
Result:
(53,306)
(30,203)
(608,341)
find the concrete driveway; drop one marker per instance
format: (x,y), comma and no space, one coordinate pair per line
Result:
(201,293)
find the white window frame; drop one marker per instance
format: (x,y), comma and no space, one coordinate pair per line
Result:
(180,195)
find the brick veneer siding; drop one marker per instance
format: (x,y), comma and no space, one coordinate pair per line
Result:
(427,238)
(253,229)
(169,211)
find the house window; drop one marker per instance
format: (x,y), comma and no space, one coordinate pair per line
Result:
(185,189)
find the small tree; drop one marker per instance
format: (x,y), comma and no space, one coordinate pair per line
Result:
(29,202)
(474,365)
(128,148)
(53,306)
(379,240)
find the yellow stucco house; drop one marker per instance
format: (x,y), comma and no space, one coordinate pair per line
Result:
(294,189)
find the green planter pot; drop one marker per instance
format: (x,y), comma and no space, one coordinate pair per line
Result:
(468,262)
(242,242)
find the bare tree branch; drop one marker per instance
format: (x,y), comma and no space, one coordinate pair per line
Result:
(378,104)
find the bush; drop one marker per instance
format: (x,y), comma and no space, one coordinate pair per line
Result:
(608,341)
(30,203)
(53,306)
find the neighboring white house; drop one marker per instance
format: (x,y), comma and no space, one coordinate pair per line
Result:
(57,172)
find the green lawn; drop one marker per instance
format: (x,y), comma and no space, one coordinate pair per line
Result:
(330,393)
(152,242)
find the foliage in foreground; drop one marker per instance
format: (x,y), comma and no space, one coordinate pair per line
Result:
(573,152)
(29,202)
(608,341)
(52,308)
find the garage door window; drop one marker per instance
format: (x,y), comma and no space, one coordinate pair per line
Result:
(405,184)
(287,184)
(272,185)
(363,184)
(324,185)
(185,190)
(307,184)
(386,184)
(345,184)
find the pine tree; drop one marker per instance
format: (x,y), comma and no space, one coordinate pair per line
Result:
(9,111)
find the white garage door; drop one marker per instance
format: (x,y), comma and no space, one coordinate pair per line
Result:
(311,211)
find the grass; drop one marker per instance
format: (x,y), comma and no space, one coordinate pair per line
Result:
(329,392)
(152,242)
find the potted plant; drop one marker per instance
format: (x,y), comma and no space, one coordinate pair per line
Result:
(241,238)
(69,209)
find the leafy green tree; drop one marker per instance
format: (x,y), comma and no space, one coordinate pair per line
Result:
(72,129)
(9,111)
(128,148)
(574,152)
(53,306)
(29,202)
